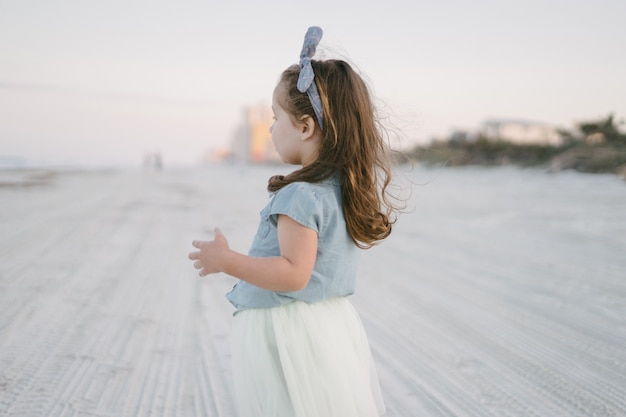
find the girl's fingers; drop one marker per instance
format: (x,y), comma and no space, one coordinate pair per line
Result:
(195,256)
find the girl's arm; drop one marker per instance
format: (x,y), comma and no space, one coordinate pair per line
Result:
(290,271)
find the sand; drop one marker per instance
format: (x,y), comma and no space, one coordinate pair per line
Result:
(501,293)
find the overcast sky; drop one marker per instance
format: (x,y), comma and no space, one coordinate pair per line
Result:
(104,81)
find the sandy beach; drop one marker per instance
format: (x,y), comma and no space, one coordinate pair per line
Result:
(501,292)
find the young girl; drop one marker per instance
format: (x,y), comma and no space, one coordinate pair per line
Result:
(298,346)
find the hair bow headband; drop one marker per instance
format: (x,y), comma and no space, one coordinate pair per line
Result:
(305,79)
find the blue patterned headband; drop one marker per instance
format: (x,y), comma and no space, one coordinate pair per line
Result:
(305,79)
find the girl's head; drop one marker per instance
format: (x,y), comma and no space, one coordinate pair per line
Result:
(351,143)
(350,127)
(295,135)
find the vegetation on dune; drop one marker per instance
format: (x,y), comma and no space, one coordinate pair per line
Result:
(594,146)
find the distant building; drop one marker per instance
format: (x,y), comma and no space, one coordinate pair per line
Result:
(253,140)
(521,132)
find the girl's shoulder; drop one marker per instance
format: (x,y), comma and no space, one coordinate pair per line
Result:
(313,205)
(323,187)
(309,196)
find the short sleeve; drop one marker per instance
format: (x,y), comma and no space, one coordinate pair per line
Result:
(301,202)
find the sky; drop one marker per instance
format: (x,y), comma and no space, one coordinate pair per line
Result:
(91,82)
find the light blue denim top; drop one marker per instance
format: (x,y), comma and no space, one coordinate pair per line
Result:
(318,207)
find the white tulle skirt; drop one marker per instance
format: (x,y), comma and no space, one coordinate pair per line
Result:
(304,360)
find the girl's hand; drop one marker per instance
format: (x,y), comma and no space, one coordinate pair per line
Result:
(209,254)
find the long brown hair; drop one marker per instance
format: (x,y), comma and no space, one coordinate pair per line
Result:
(353,143)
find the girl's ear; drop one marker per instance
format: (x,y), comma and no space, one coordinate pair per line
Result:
(307,127)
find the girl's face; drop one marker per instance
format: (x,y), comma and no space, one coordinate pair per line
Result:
(286,133)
